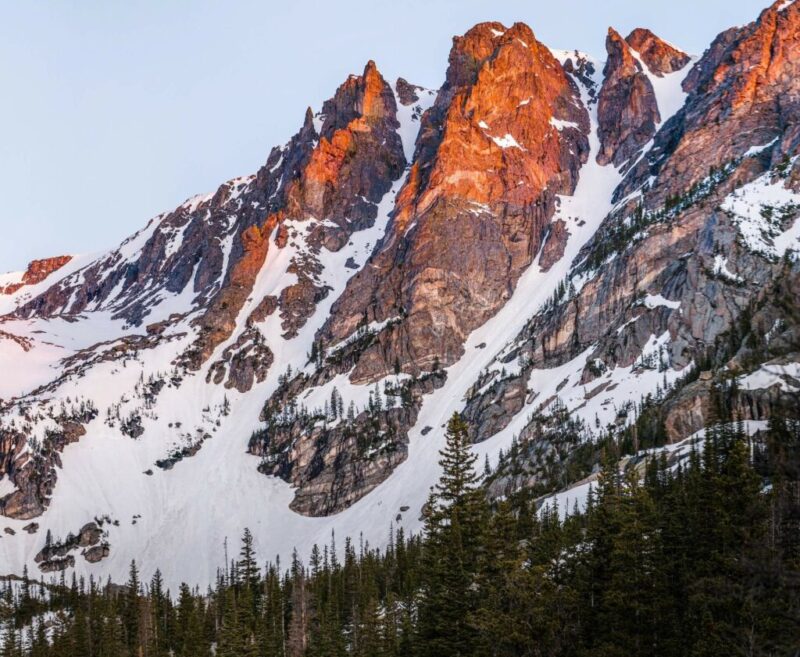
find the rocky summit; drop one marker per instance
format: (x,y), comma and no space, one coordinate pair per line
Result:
(556,247)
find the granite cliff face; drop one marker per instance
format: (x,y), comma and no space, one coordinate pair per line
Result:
(628,112)
(506,135)
(743,94)
(628,109)
(547,241)
(680,260)
(660,57)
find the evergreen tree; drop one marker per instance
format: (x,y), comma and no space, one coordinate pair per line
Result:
(453,530)
(130,610)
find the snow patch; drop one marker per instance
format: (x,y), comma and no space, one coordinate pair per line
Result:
(755,150)
(507,141)
(760,209)
(668,88)
(655,300)
(786,376)
(721,269)
(560,125)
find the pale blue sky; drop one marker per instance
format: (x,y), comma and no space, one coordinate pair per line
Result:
(113,111)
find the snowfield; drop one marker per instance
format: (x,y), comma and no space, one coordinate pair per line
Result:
(181,519)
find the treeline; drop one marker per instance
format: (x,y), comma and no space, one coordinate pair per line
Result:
(699,557)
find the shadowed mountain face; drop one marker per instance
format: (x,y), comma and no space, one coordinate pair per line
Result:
(544,233)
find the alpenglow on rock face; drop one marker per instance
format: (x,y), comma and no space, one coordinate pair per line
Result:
(547,235)
(506,135)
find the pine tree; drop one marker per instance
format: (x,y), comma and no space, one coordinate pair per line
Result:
(231,640)
(297,635)
(271,635)
(453,529)
(131,609)
(247,566)
(10,641)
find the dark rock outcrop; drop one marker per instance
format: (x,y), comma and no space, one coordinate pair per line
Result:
(554,245)
(55,556)
(336,456)
(34,475)
(627,110)
(407,93)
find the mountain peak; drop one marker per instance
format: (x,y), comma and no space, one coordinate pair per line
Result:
(619,49)
(627,107)
(780,6)
(366,98)
(660,57)
(506,134)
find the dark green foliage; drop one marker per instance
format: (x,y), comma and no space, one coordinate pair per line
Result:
(699,557)
(614,237)
(454,530)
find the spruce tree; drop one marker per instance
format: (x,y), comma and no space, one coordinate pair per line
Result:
(453,529)
(131,609)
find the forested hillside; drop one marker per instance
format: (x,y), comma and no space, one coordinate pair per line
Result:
(698,558)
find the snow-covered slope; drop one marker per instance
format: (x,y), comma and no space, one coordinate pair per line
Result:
(178,518)
(119,406)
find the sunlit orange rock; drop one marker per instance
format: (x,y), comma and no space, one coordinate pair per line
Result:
(506,134)
(661,58)
(37,271)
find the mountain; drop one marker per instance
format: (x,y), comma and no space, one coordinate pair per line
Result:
(546,241)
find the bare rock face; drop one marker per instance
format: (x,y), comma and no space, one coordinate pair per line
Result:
(506,133)
(96,553)
(57,565)
(358,156)
(673,260)
(660,57)
(34,475)
(664,243)
(243,363)
(219,320)
(178,249)
(37,271)
(338,175)
(554,245)
(693,407)
(744,92)
(407,93)
(627,110)
(336,456)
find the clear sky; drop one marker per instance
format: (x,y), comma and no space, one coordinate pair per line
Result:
(114,111)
